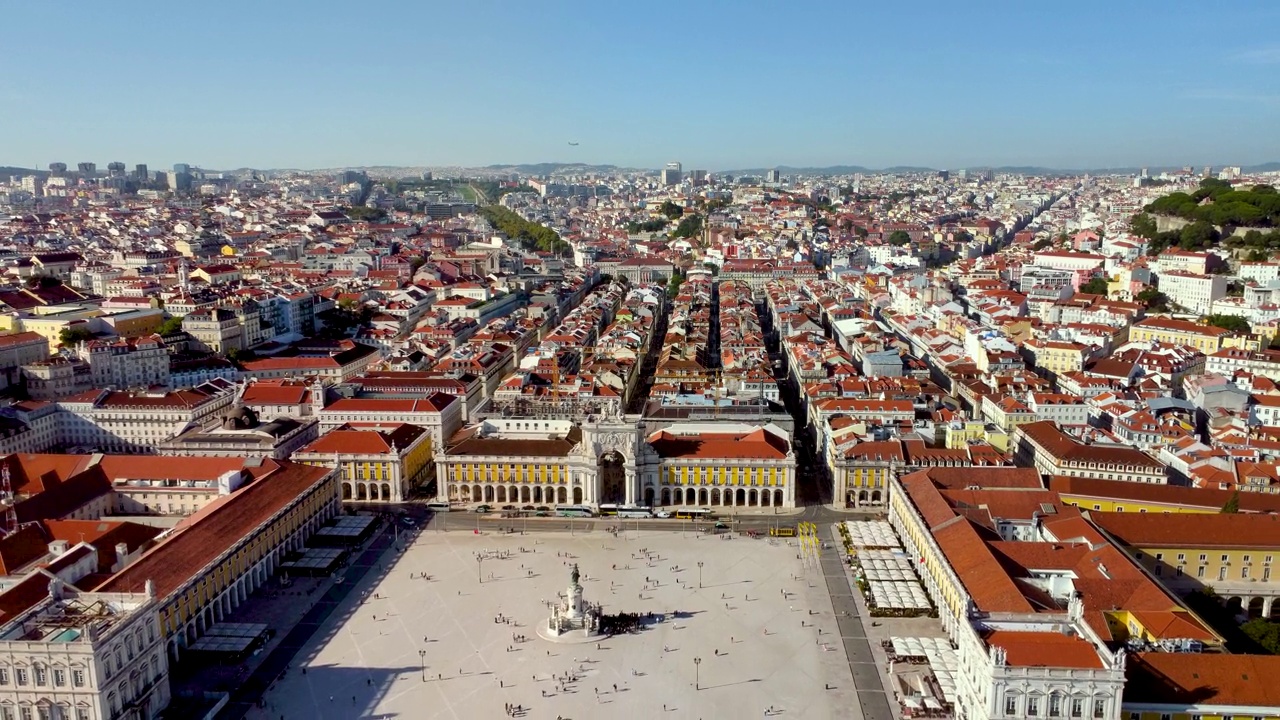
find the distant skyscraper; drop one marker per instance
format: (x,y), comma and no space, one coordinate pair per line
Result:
(1208,171)
(671,174)
(88,168)
(182,168)
(773,176)
(57,169)
(1145,173)
(115,169)
(944,175)
(140,172)
(34,185)
(698,177)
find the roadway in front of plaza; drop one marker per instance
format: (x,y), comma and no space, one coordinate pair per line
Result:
(875,704)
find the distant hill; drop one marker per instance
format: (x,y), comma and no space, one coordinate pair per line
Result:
(6,171)
(548,168)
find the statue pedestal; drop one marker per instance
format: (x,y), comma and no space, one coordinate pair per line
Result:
(573,603)
(572,619)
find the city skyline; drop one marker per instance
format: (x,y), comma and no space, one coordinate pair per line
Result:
(302,87)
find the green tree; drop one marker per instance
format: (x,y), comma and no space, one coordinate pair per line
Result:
(1042,244)
(673,285)
(73,336)
(1153,299)
(899,238)
(671,210)
(1096,286)
(1143,225)
(171,325)
(1257,256)
(1232,506)
(1197,236)
(1264,632)
(689,227)
(1234,323)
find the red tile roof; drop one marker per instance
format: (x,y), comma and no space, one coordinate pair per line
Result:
(1192,529)
(1045,649)
(757,444)
(201,538)
(1203,679)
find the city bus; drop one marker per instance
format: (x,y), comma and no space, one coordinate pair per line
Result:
(685,513)
(625,511)
(575,511)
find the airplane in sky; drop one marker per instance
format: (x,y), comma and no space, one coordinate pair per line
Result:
(574,144)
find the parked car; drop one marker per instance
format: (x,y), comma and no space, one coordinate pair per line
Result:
(482,509)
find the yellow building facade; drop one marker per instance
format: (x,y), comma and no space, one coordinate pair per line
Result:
(1205,338)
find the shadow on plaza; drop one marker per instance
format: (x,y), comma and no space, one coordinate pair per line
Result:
(335,692)
(364,569)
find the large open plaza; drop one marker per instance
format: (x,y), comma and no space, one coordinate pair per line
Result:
(440,634)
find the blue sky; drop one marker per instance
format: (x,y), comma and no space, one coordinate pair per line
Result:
(715,85)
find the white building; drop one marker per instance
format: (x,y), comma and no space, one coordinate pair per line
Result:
(127,363)
(1263,272)
(1193,291)
(136,422)
(1175,260)
(72,655)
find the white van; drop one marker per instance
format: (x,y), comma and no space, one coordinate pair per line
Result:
(438,506)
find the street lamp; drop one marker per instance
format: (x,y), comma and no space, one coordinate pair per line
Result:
(479,565)
(699,574)
(697,679)
(422,655)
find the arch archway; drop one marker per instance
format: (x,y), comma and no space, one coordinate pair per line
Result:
(537,494)
(1235,605)
(666,497)
(562,495)
(502,493)
(476,493)
(346,491)
(778,497)
(703,497)
(360,492)
(690,496)
(715,496)
(648,497)
(741,500)
(488,493)
(766,498)
(612,475)
(1255,607)
(577,496)
(875,496)
(386,491)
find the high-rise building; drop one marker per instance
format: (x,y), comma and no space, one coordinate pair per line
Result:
(115,169)
(182,168)
(140,172)
(33,184)
(57,169)
(1208,171)
(1146,173)
(698,177)
(671,174)
(88,168)
(773,176)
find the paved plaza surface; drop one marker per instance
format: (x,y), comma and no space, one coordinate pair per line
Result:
(431,614)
